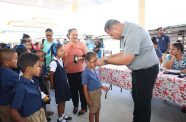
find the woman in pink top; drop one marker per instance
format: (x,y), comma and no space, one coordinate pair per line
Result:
(74,70)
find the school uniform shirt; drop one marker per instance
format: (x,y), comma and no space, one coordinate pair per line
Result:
(8,80)
(27,98)
(90,78)
(53,64)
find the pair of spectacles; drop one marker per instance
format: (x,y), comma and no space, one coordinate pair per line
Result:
(48,35)
(93,62)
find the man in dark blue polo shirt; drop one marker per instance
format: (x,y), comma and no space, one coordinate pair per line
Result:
(163,40)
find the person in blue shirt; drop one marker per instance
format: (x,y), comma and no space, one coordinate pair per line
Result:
(4,45)
(92,86)
(27,105)
(8,81)
(44,84)
(163,40)
(59,81)
(158,51)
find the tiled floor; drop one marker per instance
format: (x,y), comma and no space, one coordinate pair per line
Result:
(118,107)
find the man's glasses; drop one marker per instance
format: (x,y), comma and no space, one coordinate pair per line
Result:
(48,35)
(92,62)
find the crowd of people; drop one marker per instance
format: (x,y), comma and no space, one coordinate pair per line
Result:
(28,72)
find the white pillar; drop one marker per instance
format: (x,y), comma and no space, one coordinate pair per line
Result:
(75,6)
(141,13)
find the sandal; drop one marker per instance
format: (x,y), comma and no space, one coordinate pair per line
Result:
(75,110)
(183,110)
(67,118)
(49,113)
(81,112)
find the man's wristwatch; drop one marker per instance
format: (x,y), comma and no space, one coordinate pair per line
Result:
(105,59)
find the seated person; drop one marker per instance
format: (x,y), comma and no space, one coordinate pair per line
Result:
(158,52)
(176,60)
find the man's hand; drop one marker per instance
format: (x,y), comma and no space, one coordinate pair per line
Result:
(100,62)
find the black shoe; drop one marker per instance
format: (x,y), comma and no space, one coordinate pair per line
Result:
(67,118)
(49,113)
(81,112)
(75,110)
(63,120)
(183,110)
(48,119)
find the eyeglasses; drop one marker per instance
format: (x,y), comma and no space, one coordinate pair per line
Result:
(48,35)
(92,62)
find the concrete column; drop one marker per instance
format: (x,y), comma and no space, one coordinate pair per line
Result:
(75,6)
(141,13)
